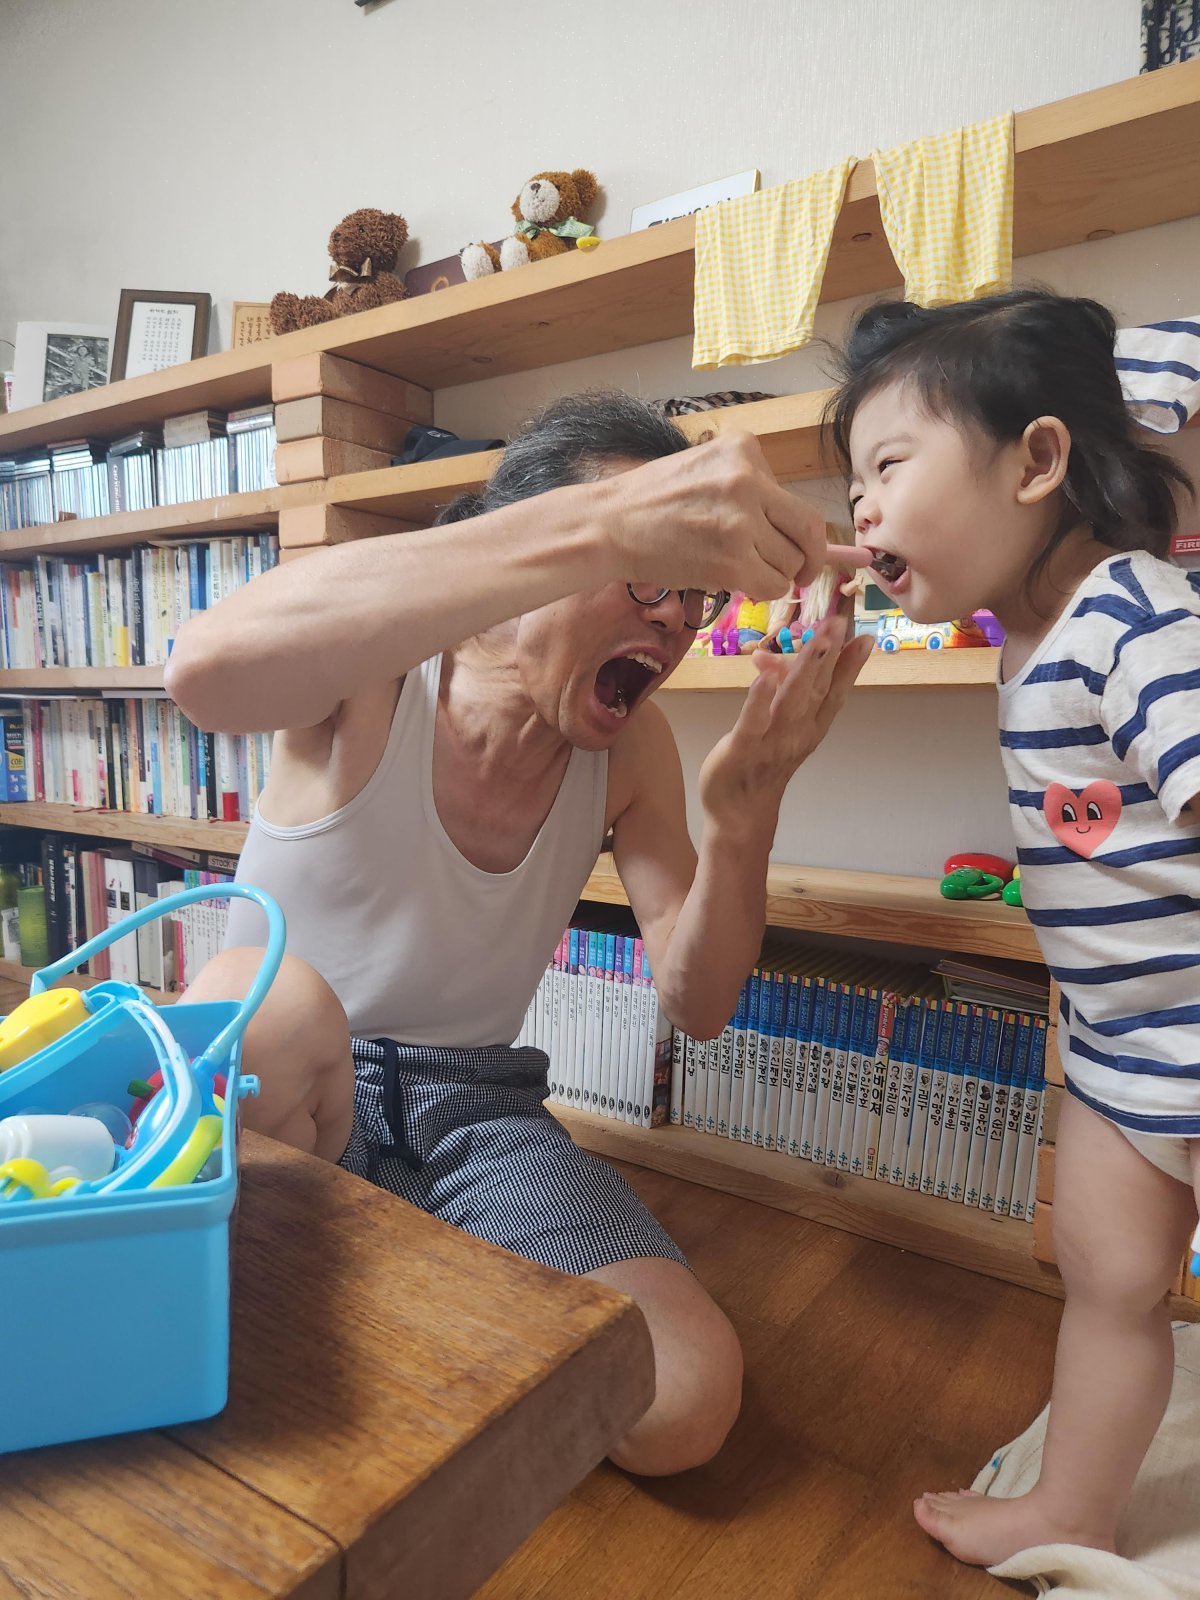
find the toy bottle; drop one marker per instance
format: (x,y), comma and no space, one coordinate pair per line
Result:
(80,1143)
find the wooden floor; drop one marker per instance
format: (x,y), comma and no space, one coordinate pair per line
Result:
(871,1375)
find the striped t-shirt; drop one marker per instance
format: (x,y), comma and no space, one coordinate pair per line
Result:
(1100,733)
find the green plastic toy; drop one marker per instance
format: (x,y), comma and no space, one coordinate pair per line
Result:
(968,883)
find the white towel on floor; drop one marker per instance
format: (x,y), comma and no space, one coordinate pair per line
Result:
(1160,1533)
(1159,368)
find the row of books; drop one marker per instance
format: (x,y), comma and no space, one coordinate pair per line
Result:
(597,1017)
(135,753)
(853,1064)
(847,1061)
(119,610)
(86,888)
(192,457)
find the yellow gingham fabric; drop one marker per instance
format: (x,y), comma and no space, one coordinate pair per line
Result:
(759,265)
(946,204)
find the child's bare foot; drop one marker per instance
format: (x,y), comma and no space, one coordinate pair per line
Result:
(984,1532)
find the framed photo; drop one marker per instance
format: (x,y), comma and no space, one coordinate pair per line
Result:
(52,359)
(690,201)
(159,328)
(251,323)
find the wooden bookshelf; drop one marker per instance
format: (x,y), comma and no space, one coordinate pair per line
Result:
(961,1235)
(901,669)
(197,519)
(883,907)
(14,972)
(1109,161)
(227,838)
(86,680)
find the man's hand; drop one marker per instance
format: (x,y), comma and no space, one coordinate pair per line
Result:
(787,712)
(714,517)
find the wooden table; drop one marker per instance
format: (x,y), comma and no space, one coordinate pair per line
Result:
(406,1404)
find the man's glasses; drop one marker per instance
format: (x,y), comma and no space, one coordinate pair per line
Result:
(700,609)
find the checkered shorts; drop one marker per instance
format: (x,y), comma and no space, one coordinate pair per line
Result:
(464,1134)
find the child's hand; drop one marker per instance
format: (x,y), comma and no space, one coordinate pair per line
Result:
(787,712)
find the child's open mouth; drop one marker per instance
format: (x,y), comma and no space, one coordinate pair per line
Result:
(623,680)
(889,567)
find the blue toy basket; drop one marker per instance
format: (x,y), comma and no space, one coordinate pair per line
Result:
(116,1292)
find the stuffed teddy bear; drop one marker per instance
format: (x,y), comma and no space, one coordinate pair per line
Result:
(549,212)
(364,247)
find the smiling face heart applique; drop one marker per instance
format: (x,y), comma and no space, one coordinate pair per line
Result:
(1082,821)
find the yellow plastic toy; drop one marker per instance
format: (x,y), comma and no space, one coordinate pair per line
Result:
(39,1021)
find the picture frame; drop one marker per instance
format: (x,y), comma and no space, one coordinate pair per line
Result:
(689,201)
(250,323)
(55,359)
(158,328)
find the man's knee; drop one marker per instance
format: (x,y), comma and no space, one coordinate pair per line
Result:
(298,1043)
(698,1370)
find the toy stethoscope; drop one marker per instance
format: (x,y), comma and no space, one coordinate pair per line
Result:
(181,1124)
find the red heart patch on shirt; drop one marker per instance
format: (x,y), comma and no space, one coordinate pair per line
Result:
(1082,821)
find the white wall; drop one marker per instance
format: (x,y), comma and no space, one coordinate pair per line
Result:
(212,144)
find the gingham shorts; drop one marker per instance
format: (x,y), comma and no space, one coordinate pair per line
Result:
(463,1134)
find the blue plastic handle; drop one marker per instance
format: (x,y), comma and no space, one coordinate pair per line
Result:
(233,1030)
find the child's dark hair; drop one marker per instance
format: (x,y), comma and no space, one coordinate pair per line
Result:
(999,363)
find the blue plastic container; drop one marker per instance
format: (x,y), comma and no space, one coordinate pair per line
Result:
(116,1304)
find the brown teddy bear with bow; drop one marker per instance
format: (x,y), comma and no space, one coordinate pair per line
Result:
(364,247)
(549,212)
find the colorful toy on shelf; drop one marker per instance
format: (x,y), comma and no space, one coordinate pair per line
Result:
(753,619)
(981,860)
(968,883)
(834,591)
(723,636)
(895,631)
(978,875)
(987,624)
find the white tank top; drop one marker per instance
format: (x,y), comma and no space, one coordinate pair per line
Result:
(417,943)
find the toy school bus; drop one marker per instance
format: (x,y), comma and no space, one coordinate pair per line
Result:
(895,631)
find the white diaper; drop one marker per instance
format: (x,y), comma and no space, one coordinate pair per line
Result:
(1169,1152)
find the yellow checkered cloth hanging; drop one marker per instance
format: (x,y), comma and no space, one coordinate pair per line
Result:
(759,265)
(947,205)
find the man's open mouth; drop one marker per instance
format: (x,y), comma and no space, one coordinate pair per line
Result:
(623,680)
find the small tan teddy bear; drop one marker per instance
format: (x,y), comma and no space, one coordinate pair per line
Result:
(549,212)
(364,247)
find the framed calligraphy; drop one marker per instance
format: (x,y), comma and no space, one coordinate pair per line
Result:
(159,328)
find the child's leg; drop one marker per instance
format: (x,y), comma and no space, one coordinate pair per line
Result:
(299,1045)
(1120,1226)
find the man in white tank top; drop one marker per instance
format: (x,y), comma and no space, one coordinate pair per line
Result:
(462,713)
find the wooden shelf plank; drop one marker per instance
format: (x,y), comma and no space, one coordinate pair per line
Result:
(882,907)
(1111,160)
(961,1235)
(88,680)
(903,669)
(166,832)
(14,972)
(198,519)
(788,429)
